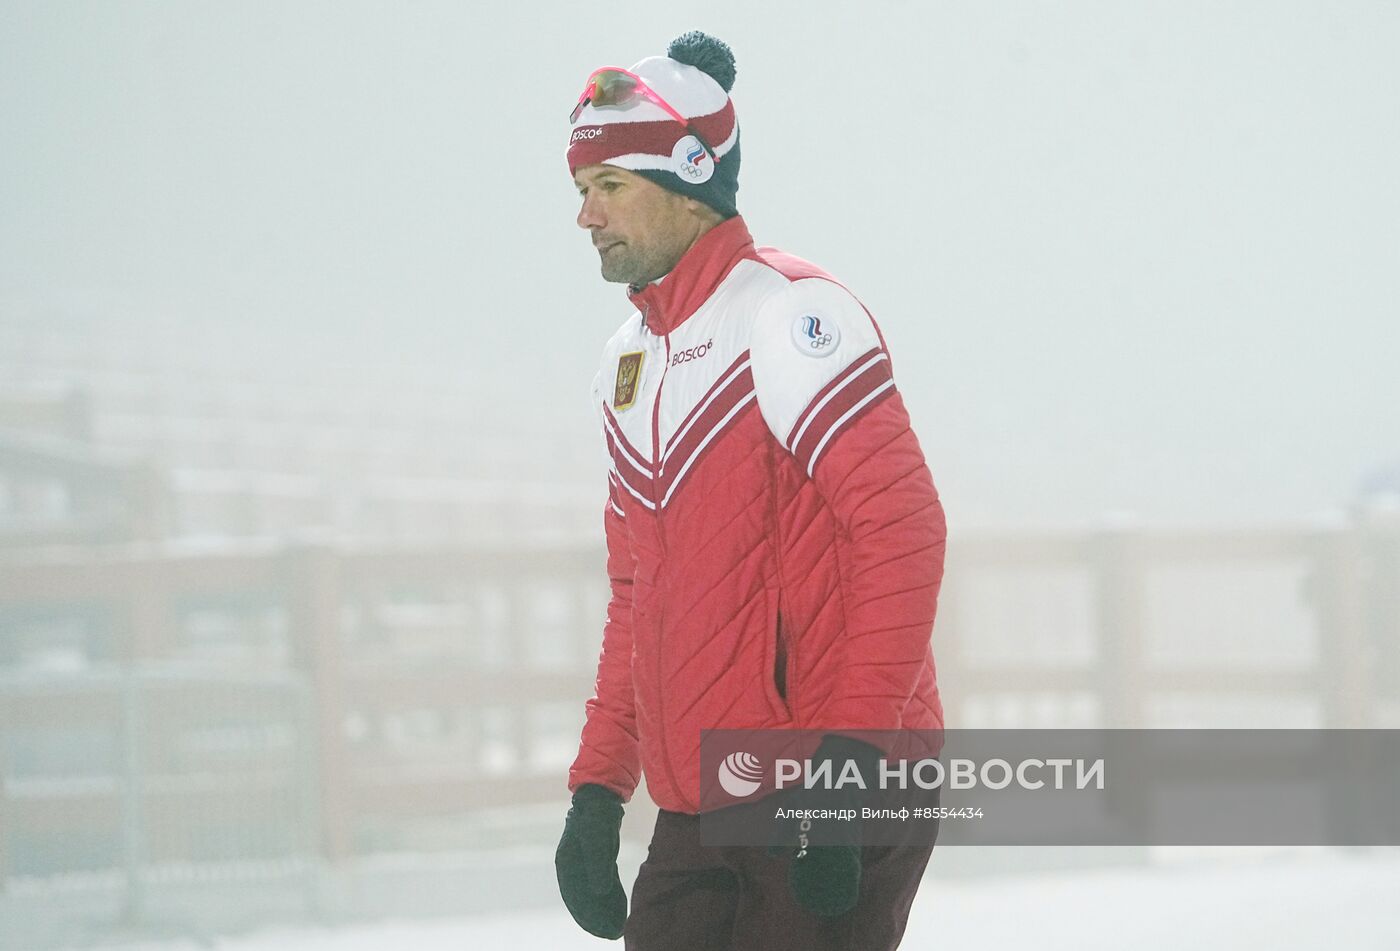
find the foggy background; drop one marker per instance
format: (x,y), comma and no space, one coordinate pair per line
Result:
(299,479)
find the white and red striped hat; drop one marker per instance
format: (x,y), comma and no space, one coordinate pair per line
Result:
(698,157)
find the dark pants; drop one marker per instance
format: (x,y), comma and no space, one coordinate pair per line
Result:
(692,897)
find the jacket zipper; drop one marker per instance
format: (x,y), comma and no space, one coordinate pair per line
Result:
(656,446)
(661,541)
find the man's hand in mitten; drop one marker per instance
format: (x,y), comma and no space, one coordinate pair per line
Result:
(825,870)
(586,862)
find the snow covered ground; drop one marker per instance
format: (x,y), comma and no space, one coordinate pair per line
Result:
(1252,900)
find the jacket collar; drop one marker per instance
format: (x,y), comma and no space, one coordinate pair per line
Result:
(667,303)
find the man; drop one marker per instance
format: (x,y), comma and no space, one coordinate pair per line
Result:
(775,541)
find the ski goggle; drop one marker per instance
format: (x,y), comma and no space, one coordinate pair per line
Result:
(614,86)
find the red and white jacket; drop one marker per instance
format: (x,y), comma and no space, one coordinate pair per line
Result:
(775,541)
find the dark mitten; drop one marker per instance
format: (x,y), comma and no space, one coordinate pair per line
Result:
(586,862)
(825,871)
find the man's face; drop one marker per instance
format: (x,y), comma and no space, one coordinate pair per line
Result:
(639,228)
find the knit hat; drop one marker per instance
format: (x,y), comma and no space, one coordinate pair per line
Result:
(699,159)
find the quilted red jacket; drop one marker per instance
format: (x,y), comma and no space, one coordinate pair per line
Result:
(775,541)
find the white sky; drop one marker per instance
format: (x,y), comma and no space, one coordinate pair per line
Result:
(1136,257)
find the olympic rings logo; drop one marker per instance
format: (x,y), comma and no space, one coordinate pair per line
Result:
(814,336)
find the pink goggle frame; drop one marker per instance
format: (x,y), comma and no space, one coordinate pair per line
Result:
(613,86)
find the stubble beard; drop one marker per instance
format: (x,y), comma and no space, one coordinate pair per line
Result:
(626,264)
(623,265)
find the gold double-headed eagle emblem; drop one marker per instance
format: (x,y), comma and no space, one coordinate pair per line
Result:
(629,371)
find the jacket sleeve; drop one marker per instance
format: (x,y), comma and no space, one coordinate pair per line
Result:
(608,752)
(826,389)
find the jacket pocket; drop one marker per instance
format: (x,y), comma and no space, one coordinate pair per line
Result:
(776,654)
(780,660)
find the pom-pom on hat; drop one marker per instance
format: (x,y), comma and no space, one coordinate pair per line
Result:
(698,157)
